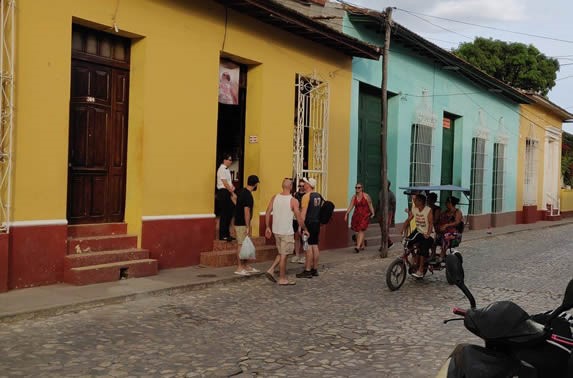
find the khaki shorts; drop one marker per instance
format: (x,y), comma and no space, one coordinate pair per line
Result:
(285,244)
(241,232)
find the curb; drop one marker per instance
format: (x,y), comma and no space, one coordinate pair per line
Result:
(58,310)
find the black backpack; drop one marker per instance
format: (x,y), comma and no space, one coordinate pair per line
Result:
(326,211)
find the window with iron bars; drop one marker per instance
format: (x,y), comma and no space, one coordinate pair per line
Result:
(421,155)
(477,176)
(530,184)
(498,177)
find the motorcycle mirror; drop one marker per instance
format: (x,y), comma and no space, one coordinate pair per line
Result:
(568,297)
(455,269)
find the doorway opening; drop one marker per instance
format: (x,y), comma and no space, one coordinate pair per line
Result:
(231,117)
(448,139)
(97,152)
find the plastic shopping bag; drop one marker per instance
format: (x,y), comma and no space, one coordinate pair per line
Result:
(247,250)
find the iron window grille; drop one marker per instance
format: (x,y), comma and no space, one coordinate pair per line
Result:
(477,176)
(530,176)
(498,177)
(421,155)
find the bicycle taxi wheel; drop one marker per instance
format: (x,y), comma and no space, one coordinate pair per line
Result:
(396,274)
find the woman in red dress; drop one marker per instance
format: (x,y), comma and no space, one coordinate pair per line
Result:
(363,211)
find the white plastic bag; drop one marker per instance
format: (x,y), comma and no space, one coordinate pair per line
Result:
(247,250)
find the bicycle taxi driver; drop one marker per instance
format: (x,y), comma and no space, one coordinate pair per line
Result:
(422,234)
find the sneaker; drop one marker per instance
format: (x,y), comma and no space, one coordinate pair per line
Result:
(294,259)
(242,272)
(253,270)
(302,260)
(314,272)
(304,274)
(418,275)
(390,245)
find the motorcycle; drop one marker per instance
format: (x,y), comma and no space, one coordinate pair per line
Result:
(516,343)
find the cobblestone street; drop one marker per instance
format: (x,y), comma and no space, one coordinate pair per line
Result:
(343,323)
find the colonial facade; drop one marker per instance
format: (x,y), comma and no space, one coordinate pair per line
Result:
(448,123)
(539,169)
(122,111)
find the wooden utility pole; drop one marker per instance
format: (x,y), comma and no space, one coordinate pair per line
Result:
(384,136)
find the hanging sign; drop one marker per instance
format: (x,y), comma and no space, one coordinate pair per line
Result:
(447,123)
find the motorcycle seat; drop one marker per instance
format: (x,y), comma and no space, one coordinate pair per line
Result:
(504,321)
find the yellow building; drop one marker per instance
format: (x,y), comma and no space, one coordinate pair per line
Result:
(120,117)
(539,169)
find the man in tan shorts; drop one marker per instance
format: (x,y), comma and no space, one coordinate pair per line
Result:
(282,206)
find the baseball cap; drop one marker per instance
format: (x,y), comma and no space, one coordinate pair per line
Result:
(253,180)
(310,181)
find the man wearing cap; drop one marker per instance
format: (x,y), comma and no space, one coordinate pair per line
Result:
(243,216)
(310,204)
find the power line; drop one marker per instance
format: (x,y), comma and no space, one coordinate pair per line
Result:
(487,27)
(438,26)
(563,78)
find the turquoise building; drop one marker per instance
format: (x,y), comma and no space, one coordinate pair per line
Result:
(448,123)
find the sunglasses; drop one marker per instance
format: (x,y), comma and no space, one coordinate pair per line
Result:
(357,187)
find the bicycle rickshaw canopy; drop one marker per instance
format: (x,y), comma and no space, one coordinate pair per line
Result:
(435,188)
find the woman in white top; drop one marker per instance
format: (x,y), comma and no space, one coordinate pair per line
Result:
(422,234)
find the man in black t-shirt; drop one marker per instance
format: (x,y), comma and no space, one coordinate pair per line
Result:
(243,216)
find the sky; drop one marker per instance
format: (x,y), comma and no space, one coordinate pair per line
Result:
(549,18)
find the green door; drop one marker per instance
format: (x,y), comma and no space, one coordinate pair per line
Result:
(447,155)
(369,143)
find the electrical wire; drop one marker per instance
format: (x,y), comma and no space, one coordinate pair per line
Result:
(487,27)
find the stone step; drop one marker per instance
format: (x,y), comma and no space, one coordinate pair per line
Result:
(104,257)
(98,229)
(110,272)
(229,257)
(83,244)
(222,245)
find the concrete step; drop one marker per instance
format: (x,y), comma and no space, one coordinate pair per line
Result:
(110,272)
(98,229)
(82,244)
(229,257)
(104,257)
(222,245)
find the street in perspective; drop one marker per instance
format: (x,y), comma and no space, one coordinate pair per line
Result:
(343,323)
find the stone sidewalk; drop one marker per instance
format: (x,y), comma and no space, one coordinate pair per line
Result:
(62,298)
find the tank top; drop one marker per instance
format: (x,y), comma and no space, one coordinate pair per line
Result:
(282,215)
(421,218)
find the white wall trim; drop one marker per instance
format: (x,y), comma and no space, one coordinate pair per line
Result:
(178,216)
(339,210)
(46,222)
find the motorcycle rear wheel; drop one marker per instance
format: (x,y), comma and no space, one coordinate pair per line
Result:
(396,274)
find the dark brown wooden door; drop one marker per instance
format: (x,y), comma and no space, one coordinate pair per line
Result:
(98,143)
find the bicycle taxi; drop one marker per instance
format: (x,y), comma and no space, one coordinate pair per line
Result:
(403,265)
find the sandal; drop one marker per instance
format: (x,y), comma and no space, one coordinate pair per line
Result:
(270,277)
(356,250)
(289,283)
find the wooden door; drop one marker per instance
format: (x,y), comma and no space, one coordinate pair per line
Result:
(97,143)
(369,168)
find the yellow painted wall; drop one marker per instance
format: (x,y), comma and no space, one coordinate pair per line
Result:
(566,200)
(173,103)
(542,118)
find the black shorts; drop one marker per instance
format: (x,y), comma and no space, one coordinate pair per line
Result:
(313,230)
(424,244)
(295,225)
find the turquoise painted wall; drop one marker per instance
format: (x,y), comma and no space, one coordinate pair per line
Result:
(448,91)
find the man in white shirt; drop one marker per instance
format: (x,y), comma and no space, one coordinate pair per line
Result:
(282,206)
(224,198)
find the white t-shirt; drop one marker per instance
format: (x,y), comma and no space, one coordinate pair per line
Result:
(223,173)
(282,215)
(421,218)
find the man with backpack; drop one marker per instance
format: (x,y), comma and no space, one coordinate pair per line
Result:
(311,205)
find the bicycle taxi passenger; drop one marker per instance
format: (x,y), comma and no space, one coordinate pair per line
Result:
(450,226)
(421,236)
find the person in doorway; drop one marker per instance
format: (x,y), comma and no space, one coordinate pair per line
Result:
(310,204)
(391,213)
(363,211)
(243,216)
(421,236)
(298,252)
(225,198)
(283,207)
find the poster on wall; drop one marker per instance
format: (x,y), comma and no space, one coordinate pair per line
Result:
(229,83)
